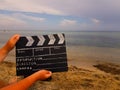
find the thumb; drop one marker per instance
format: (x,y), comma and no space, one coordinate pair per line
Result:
(48,74)
(42,74)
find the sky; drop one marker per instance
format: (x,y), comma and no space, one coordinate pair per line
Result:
(83,15)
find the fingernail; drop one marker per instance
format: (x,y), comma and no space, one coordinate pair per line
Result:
(17,37)
(49,73)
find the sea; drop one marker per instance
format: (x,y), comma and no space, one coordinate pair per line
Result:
(97,45)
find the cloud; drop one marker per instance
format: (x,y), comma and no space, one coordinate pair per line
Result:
(23,16)
(19,20)
(81,8)
(28,6)
(96,21)
(105,10)
(7,21)
(67,22)
(104,13)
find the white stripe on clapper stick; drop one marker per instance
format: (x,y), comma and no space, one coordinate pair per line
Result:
(30,41)
(52,39)
(61,37)
(41,40)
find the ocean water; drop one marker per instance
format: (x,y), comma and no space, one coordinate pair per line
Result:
(98,39)
(105,44)
(74,38)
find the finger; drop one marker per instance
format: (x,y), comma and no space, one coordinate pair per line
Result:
(42,74)
(11,42)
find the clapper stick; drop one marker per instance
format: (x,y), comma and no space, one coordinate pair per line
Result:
(34,53)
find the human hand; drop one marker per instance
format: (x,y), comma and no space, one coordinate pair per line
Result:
(41,75)
(8,46)
(11,43)
(25,83)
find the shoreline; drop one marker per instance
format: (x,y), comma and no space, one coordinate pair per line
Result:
(84,56)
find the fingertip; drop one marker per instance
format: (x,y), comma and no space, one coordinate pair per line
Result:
(17,36)
(42,74)
(46,73)
(49,74)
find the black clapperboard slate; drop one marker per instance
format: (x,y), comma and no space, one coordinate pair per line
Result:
(34,53)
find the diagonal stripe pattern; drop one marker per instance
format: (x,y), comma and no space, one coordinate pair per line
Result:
(41,52)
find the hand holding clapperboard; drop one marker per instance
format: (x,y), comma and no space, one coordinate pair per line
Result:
(34,53)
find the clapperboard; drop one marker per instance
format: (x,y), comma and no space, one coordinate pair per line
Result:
(34,53)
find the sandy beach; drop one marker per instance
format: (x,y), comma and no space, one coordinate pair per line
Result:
(87,71)
(75,79)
